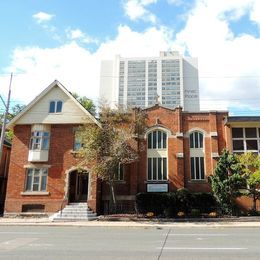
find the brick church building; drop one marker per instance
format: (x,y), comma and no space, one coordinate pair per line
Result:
(182,149)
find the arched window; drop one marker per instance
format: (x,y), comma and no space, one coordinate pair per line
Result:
(197,156)
(157,156)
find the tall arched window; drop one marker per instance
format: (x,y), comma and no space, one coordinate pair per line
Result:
(197,156)
(157,156)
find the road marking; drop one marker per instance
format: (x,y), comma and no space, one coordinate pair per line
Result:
(17,242)
(23,233)
(40,245)
(204,248)
(209,235)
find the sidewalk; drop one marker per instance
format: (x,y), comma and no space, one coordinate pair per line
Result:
(240,222)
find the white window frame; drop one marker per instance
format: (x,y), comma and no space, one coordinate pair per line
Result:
(36,181)
(120,174)
(157,155)
(55,106)
(197,155)
(198,168)
(244,139)
(38,139)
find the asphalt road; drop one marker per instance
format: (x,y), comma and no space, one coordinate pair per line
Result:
(35,242)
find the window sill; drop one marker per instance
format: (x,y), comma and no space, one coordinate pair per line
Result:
(35,193)
(157,181)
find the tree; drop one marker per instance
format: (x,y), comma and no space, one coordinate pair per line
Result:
(86,103)
(227,181)
(251,168)
(107,147)
(15,110)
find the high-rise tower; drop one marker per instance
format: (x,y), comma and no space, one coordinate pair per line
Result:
(170,80)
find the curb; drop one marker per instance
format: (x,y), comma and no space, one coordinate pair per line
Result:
(241,222)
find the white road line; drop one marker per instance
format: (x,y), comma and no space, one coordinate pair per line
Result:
(23,233)
(17,242)
(207,235)
(204,248)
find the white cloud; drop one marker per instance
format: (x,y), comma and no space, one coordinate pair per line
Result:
(135,9)
(255,12)
(77,34)
(229,65)
(42,17)
(75,66)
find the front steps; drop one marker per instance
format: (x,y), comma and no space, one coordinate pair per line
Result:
(74,212)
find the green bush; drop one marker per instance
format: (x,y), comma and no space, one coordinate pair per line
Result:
(168,204)
(183,200)
(205,202)
(154,202)
(195,213)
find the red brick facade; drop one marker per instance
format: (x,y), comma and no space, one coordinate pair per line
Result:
(178,125)
(4,165)
(61,162)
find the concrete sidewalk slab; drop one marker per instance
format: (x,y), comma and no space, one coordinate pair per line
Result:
(147,223)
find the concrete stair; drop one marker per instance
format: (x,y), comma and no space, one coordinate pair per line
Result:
(74,212)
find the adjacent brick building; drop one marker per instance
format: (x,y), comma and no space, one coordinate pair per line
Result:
(181,149)
(4,165)
(43,175)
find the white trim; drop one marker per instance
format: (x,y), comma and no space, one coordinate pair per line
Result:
(35,193)
(196,129)
(158,127)
(214,134)
(42,94)
(180,155)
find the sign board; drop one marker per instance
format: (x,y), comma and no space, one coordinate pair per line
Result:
(157,187)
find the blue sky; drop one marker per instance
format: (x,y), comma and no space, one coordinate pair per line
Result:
(43,40)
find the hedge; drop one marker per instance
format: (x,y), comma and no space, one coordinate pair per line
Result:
(169,204)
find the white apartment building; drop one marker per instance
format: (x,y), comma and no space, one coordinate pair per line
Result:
(170,80)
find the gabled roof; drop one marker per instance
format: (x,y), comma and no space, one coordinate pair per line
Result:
(42,94)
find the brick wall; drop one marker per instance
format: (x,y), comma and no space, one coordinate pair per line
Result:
(61,160)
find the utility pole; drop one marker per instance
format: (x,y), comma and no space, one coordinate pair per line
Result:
(2,139)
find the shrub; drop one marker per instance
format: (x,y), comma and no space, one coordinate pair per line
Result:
(154,202)
(195,213)
(183,200)
(168,204)
(205,202)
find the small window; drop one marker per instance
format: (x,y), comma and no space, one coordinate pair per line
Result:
(250,132)
(55,106)
(119,176)
(157,140)
(196,140)
(157,169)
(238,145)
(36,179)
(77,141)
(197,168)
(39,140)
(237,132)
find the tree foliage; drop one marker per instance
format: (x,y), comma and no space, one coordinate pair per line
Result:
(250,164)
(111,144)
(227,181)
(15,110)
(86,103)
